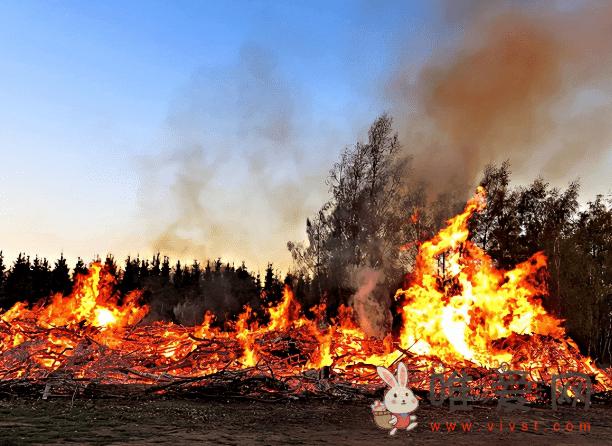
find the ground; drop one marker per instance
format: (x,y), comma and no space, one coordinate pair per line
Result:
(197,422)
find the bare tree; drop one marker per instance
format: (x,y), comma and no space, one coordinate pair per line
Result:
(355,227)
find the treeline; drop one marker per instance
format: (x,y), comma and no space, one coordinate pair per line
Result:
(217,286)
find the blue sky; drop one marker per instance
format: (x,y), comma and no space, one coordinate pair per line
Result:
(113,113)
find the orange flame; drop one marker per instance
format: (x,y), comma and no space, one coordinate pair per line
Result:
(459,309)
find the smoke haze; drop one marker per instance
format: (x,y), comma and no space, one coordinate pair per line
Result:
(233,143)
(523,81)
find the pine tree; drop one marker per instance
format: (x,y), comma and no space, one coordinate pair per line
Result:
(243,272)
(187,279)
(178,274)
(41,279)
(80,269)
(207,271)
(144,269)
(18,286)
(111,266)
(2,276)
(128,279)
(269,279)
(165,269)
(60,277)
(155,270)
(196,273)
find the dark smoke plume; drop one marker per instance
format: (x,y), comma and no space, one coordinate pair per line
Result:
(522,81)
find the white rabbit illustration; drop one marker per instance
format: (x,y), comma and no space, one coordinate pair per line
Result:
(399,399)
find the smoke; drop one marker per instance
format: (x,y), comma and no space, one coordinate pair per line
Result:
(231,147)
(371,303)
(523,81)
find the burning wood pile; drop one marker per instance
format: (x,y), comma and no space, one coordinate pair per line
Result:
(465,314)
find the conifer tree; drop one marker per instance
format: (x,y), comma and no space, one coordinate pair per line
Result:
(178,274)
(128,279)
(2,276)
(144,269)
(207,271)
(60,277)
(187,278)
(196,273)
(111,266)
(79,269)
(165,269)
(269,279)
(155,270)
(18,286)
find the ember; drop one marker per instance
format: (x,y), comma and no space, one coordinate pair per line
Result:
(459,310)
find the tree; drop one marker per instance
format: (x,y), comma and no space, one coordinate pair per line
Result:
(196,273)
(584,279)
(165,269)
(18,286)
(517,223)
(60,277)
(2,276)
(144,269)
(111,266)
(79,269)
(41,279)
(355,228)
(129,281)
(178,274)
(207,271)
(155,270)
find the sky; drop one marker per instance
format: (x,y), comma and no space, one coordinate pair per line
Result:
(207,129)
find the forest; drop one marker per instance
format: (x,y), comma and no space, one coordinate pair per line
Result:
(376,205)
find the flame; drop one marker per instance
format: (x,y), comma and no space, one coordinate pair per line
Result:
(476,304)
(459,309)
(103,317)
(415,216)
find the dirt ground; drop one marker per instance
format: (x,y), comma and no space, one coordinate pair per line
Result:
(196,422)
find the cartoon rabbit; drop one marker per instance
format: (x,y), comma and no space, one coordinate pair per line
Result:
(399,399)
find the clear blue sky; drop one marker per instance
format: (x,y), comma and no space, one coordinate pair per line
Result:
(104,106)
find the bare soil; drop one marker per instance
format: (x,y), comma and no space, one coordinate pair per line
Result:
(196,422)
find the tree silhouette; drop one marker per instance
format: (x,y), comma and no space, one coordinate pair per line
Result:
(207,271)
(196,273)
(178,274)
(144,269)
(165,269)
(60,277)
(19,285)
(2,276)
(129,280)
(79,269)
(111,266)
(155,270)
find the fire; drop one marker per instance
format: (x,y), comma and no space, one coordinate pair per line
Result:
(103,317)
(476,305)
(459,309)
